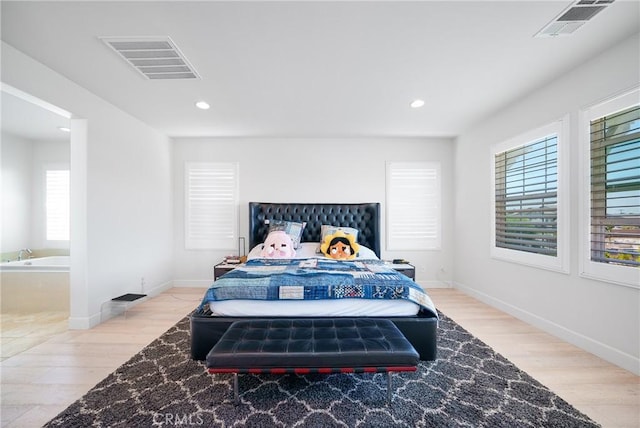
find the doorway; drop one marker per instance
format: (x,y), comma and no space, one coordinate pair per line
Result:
(35,239)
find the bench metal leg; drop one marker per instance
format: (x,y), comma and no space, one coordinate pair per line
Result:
(236,395)
(236,400)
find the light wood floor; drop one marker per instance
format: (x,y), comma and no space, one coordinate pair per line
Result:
(44,379)
(607,393)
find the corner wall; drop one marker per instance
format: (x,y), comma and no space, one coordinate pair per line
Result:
(600,317)
(121,201)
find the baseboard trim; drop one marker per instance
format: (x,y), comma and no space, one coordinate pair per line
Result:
(602,350)
(197,283)
(433,284)
(154,291)
(83,323)
(86,323)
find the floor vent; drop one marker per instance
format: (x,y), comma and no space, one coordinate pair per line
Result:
(573,17)
(154,57)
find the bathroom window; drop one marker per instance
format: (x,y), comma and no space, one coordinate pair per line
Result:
(211,201)
(57,204)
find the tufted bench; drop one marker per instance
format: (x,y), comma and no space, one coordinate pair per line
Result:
(304,346)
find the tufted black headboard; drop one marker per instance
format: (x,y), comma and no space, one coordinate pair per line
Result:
(365,217)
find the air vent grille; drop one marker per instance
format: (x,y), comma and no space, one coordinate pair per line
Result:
(153,57)
(573,17)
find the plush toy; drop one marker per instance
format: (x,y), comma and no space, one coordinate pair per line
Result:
(340,246)
(278,245)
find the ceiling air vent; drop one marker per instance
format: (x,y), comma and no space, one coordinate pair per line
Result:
(573,17)
(154,57)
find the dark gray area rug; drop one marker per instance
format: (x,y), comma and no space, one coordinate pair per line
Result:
(469,385)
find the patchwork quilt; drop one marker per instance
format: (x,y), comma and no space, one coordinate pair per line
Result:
(315,279)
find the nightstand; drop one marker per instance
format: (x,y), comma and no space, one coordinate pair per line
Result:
(404,268)
(222,268)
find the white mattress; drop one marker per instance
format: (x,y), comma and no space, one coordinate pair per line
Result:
(314,308)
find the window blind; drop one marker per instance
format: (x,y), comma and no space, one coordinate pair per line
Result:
(57,204)
(526,197)
(211,205)
(413,205)
(615,188)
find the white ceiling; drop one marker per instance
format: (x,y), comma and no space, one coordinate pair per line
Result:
(27,120)
(316,69)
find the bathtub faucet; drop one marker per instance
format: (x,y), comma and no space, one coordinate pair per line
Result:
(26,250)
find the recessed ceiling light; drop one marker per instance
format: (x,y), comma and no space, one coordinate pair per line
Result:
(417,103)
(203,105)
(64,129)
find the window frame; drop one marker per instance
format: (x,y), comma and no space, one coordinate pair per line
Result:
(627,276)
(433,240)
(212,243)
(54,243)
(559,262)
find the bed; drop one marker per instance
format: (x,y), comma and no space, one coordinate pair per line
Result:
(416,318)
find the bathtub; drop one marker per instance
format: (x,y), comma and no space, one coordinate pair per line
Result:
(35,285)
(42,264)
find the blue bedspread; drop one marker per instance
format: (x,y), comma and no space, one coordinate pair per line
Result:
(315,279)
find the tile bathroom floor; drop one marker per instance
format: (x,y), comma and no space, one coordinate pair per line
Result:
(20,332)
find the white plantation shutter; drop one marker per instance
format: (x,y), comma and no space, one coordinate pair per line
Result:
(610,197)
(615,188)
(211,205)
(529,206)
(57,204)
(526,197)
(413,205)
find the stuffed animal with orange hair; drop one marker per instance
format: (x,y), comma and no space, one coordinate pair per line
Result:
(340,246)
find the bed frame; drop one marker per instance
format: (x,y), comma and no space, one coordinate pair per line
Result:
(364,217)
(419,329)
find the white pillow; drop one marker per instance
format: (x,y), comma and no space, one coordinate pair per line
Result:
(306,250)
(366,253)
(255,252)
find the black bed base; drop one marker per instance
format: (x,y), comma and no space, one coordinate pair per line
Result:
(420,331)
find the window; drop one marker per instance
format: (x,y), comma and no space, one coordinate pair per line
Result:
(57,204)
(528,222)
(527,197)
(211,205)
(413,205)
(613,190)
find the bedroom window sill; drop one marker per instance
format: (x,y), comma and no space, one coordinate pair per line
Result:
(538,261)
(623,276)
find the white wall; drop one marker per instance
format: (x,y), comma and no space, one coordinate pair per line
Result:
(23,190)
(121,220)
(16,154)
(600,317)
(312,170)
